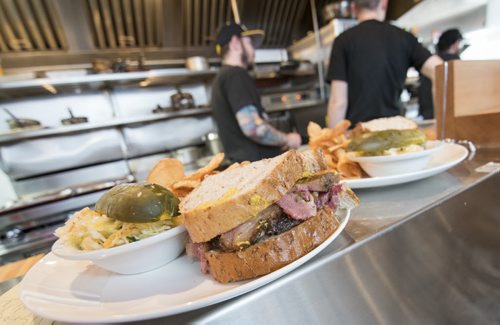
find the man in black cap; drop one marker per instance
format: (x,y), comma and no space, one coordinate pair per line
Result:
(237,109)
(448,48)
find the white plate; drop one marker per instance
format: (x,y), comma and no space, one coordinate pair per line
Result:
(78,291)
(442,160)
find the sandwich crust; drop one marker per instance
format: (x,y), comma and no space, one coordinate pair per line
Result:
(273,253)
(228,199)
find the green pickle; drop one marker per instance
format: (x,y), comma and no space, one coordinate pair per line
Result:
(138,203)
(375,143)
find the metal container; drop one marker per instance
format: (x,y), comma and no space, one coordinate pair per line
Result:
(197,63)
(338,9)
(213,143)
(74,119)
(21,123)
(188,155)
(182,100)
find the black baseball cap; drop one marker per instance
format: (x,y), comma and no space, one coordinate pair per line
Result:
(233,29)
(447,39)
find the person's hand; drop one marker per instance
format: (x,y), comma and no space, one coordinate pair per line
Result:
(293,140)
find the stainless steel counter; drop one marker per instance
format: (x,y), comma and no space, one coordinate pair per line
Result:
(421,252)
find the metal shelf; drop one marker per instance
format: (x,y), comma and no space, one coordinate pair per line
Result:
(173,75)
(63,130)
(288,107)
(46,86)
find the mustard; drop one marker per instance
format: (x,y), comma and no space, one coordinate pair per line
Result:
(230,192)
(258,203)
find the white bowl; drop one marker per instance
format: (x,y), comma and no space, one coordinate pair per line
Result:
(379,166)
(137,257)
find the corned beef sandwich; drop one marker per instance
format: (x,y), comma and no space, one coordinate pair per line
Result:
(254,219)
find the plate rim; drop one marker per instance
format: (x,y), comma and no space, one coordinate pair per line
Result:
(373,182)
(232,292)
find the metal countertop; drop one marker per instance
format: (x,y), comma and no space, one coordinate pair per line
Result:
(381,210)
(323,287)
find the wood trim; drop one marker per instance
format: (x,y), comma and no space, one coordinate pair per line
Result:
(468,101)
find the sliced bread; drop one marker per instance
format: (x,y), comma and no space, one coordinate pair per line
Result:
(388,123)
(273,253)
(226,200)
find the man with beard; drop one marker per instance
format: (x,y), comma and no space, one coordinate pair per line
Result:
(241,120)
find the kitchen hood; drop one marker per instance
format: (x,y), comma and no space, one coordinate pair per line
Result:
(77,31)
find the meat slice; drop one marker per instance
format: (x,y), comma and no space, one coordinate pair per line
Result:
(299,205)
(317,183)
(308,195)
(198,251)
(247,233)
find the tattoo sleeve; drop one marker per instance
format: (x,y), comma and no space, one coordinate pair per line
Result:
(257,129)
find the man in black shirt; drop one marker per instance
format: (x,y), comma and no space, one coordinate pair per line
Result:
(368,66)
(237,109)
(448,48)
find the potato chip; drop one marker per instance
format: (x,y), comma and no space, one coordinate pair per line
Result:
(186,184)
(346,167)
(333,142)
(166,172)
(212,165)
(313,130)
(181,192)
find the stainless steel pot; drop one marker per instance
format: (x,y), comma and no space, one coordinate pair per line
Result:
(188,155)
(197,63)
(213,143)
(21,123)
(74,119)
(181,100)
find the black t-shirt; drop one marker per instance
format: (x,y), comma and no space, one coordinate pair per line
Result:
(373,58)
(233,89)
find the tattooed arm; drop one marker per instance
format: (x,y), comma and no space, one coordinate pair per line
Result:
(257,129)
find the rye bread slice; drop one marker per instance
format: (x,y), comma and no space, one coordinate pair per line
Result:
(226,200)
(273,253)
(389,123)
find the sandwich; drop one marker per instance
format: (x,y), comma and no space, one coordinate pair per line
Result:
(386,136)
(252,220)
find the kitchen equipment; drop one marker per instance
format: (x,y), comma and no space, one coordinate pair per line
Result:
(181,100)
(20,123)
(197,63)
(337,9)
(74,119)
(188,155)
(102,65)
(213,143)
(289,65)
(160,109)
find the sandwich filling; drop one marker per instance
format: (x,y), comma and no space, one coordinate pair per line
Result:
(303,201)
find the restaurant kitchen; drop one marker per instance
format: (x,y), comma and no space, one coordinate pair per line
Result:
(98,91)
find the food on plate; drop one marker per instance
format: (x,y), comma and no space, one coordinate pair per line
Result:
(124,214)
(169,173)
(255,218)
(387,136)
(334,142)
